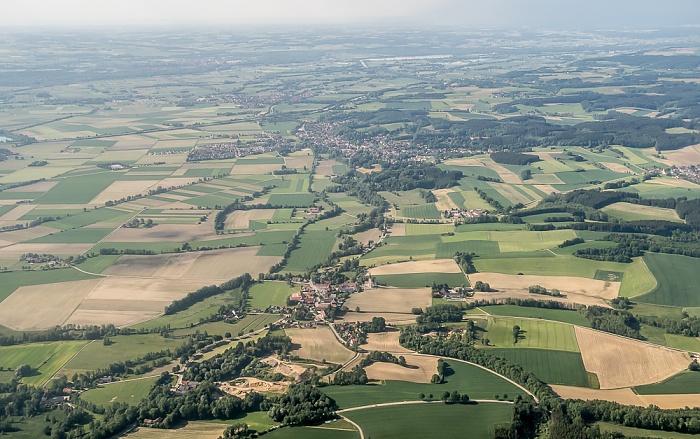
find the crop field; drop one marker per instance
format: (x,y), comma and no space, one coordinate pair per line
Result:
(638,432)
(270,293)
(199,430)
(10,281)
(130,392)
(420,369)
(326,431)
(417,280)
(559,315)
(428,229)
(480,247)
(241,219)
(45,358)
(431,420)
(425,211)
(291,200)
(550,366)
(538,334)
(684,382)
(318,344)
(314,248)
(390,300)
(631,212)
(465,378)
(438,265)
(644,363)
(674,274)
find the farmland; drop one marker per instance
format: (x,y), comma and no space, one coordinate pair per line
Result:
(550,366)
(538,334)
(44,358)
(129,392)
(674,274)
(319,345)
(419,421)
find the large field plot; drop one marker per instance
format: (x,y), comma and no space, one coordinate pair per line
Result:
(249,323)
(314,248)
(431,420)
(638,432)
(676,276)
(643,363)
(465,378)
(417,280)
(10,281)
(390,300)
(540,334)
(270,293)
(130,392)
(552,367)
(318,344)
(684,382)
(45,358)
(399,248)
(327,431)
(199,430)
(79,190)
(559,315)
(426,211)
(631,212)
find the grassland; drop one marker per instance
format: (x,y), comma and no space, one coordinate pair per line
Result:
(539,334)
(465,378)
(559,315)
(270,293)
(674,274)
(638,432)
(45,358)
(10,281)
(684,382)
(130,392)
(313,433)
(314,248)
(431,420)
(247,324)
(425,211)
(550,366)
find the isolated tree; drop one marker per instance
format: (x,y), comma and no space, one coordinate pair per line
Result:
(516,333)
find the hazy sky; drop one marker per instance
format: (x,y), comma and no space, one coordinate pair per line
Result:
(530,13)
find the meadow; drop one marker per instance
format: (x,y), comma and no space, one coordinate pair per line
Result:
(417,280)
(559,315)
(130,392)
(549,366)
(684,382)
(540,334)
(314,248)
(270,293)
(45,358)
(465,378)
(431,420)
(674,274)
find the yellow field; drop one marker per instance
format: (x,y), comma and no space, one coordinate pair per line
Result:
(421,370)
(384,342)
(390,300)
(199,430)
(430,266)
(176,233)
(649,211)
(319,344)
(18,250)
(568,285)
(628,397)
(43,306)
(617,167)
(122,189)
(254,169)
(621,362)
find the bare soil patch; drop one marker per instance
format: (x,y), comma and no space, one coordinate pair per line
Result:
(429,266)
(17,212)
(44,306)
(390,300)
(318,344)
(444,202)
(398,229)
(420,369)
(368,235)
(621,362)
(690,155)
(672,401)
(568,285)
(286,368)
(325,167)
(617,167)
(623,396)
(242,386)
(240,219)
(464,162)
(392,318)
(117,318)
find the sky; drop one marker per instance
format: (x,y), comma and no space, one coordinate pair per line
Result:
(556,14)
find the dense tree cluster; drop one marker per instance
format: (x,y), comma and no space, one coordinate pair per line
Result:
(513,158)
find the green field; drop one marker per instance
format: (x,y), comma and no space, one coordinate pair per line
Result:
(428,229)
(45,358)
(448,249)
(641,433)
(426,211)
(270,293)
(312,433)
(291,200)
(130,392)
(559,315)
(249,323)
(434,420)
(314,248)
(123,347)
(79,190)
(98,264)
(684,382)
(11,280)
(552,367)
(417,280)
(474,381)
(675,275)
(539,334)
(74,236)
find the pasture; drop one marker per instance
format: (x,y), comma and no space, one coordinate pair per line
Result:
(431,420)
(130,392)
(684,382)
(270,293)
(674,274)
(539,334)
(549,366)
(435,266)
(417,280)
(559,315)
(45,358)
(465,378)
(318,345)
(314,248)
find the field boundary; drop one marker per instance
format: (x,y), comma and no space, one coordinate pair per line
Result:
(387,404)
